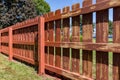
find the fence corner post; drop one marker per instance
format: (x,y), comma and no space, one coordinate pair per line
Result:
(10,45)
(41,45)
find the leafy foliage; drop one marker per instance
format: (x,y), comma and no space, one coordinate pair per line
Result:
(41,6)
(110,27)
(13,11)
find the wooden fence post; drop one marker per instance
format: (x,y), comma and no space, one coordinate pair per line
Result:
(41,53)
(10,44)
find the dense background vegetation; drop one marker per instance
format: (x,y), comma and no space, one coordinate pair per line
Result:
(13,11)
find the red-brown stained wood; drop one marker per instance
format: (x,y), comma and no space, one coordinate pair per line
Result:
(66,51)
(116,25)
(66,73)
(76,7)
(116,66)
(27,34)
(22,46)
(36,39)
(41,53)
(87,37)
(58,39)
(23,49)
(87,63)
(46,39)
(51,39)
(76,38)
(31,48)
(106,4)
(101,37)
(116,39)
(10,44)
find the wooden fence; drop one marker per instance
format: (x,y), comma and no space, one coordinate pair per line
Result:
(65,53)
(24,41)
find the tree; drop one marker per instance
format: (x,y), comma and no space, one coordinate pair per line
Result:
(41,6)
(13,11)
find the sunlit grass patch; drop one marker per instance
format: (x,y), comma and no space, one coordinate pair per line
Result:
(17,71)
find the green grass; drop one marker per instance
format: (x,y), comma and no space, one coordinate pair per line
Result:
(17,71)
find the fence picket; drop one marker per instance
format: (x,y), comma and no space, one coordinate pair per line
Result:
(102,37)
(51,39)
(58,39)
(87,37)
(116,39)
(76,38)
(66,35)
(46,40)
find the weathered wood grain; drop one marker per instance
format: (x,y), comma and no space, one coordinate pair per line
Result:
(106,4)
(116,39)
(58,39)
(51,38)
(46,39)
(76,38)
(101,37)
(87,37)
(66,51)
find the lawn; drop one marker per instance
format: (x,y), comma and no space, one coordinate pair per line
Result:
(17,71)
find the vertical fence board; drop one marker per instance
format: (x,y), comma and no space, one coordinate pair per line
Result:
(101,57)
(46,39)
(58,39)
(116,39)
(51,39)
(87,37)
(66,51)
(46,47)
(21,39)
(27,39)
(101,37)
(76,38)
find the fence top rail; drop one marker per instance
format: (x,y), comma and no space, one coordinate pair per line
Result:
(4,30)
(29,22)
(66,13)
